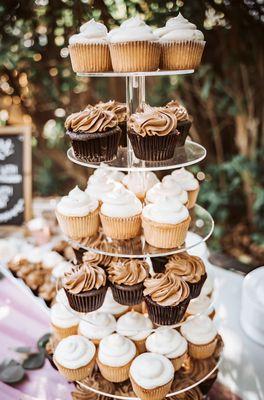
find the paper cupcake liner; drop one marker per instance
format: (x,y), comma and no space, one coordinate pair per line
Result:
(78,373)
(62,333)
(183,127)
(79,227)
(185,54)
(202,351)
(114,374)
(195,288)
(87,301)
(166,315)
(157,393)
(153,148)
(140,345)
(165,236)
(127,295)
(178,361)
(121,228)
(123,139)
(90,57)
(192,197)
(135,56)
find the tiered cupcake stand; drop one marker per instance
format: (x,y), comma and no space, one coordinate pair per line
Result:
(201,226)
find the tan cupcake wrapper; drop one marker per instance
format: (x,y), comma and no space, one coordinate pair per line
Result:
(185,54)
(114,374)
(178,361)
(79,227)
(165,236)
(140,345)
(202,351)
(157,393)
(121,228)
(62,333)
(90,57)
(135,56)
(76,374)
(192,197)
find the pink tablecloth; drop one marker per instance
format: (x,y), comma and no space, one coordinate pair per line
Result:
(22,323)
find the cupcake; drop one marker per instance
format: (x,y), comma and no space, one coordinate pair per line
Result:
(182,44)
(136,327)
(167,297)
(133,47)
(169,188)
(115,356)
(85,287)
(63,321)
(121,214)
(165,223)
(107,173)
(191,269)
(153,134)
(201,305)
(97,325)
(201,335)
(169,343)
(188,182)
(120,110)
(75,357)
(126,277)
(111,306)
(183,121)
(151,376)
(89,50)
(98,186)
(78,214)
(139,183)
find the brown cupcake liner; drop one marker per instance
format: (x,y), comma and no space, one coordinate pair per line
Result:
(135,56)
(183,127)
(185,54)
(127,295)
(192,197)
(157,393)
(165,236)
(79,227)
(178,361)
(114,374)
(87,301)
(61,333)
(166,315)
(78,373)
(195,288)
(202,351)
(90,57)
(121,228)
(158,264)
(123,139)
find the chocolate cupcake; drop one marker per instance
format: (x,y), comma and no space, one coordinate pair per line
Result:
(94,134)
(167,297)
(184,122)
(191,269)
(126,278)
(85,287)
(153,134)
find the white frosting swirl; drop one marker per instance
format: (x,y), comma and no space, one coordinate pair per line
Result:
(151,370)
(76,204)
(185,179)
(179,28)
(62,298)
(199,330)
(120,202)
(168,187)
(131,30)
(51,259)
(96,325)
(63,318)
(108,173)
(139,182)
(167,210)
(60,269)
(134,325)
(208,285)
(116,350)
(111,306)
(167,341)
(90,32)
(74,352)
(200,305)
(98,186)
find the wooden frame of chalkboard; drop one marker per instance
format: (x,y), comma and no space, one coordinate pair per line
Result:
(25,132)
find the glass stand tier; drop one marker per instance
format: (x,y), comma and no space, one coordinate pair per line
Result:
(114,74)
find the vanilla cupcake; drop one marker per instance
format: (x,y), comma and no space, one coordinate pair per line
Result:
(115,356)
(107,173)
(89,50)
(165,223)
(169,188)
(110,306)
(201,335)
(188,182)
(170,343)
(151,376)
(98,186)
(134,47)
(201,305)
(78,214)
(64,321)
(139,183)
(182,44)
(121,214)
(75,357)
(136,327)
(97,325)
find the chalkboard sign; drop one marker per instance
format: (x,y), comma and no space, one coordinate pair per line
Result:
(15,175)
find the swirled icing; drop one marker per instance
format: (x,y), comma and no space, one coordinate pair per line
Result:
(128,271)
(96,325)
(76,204)
(111,306)
(74,352)
(90,32)
(120,109)
(134,325)
(139,183)
(189,268)
(116,350)
(185,179)
(133,29)
(91,120)
(167,341)
(168,187)
(178,28)
(120,202)
(110,174)
(199,330)
(154,121)
(98,186)
(200,305)
(178,109)
(60,316)
(96,259)
(84,278)
(167,210)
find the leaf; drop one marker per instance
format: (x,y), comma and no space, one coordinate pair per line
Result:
(43,341)
(11,371)
(22,349)
(34,361)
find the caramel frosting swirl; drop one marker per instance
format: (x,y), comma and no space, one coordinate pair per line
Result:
(166,289)
(128,271)
(153,121)
(83,278)
(91,120)
(189,268)
(178,110)
(119,109)
(96,259)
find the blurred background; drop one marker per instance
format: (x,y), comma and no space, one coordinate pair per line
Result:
(224,97)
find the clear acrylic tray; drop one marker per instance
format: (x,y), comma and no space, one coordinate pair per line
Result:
(134,74)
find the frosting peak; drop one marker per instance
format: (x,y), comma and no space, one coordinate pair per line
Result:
(119,109)
(84,278)
(90,32)
(167,210)
(168,187)
(120,202)
(133,29)
(189,268)
(76,204)
(179,28)
(153,121)
(91,120)
(128,272)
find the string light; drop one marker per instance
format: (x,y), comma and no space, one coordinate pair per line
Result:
(37,57)
(53,71)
